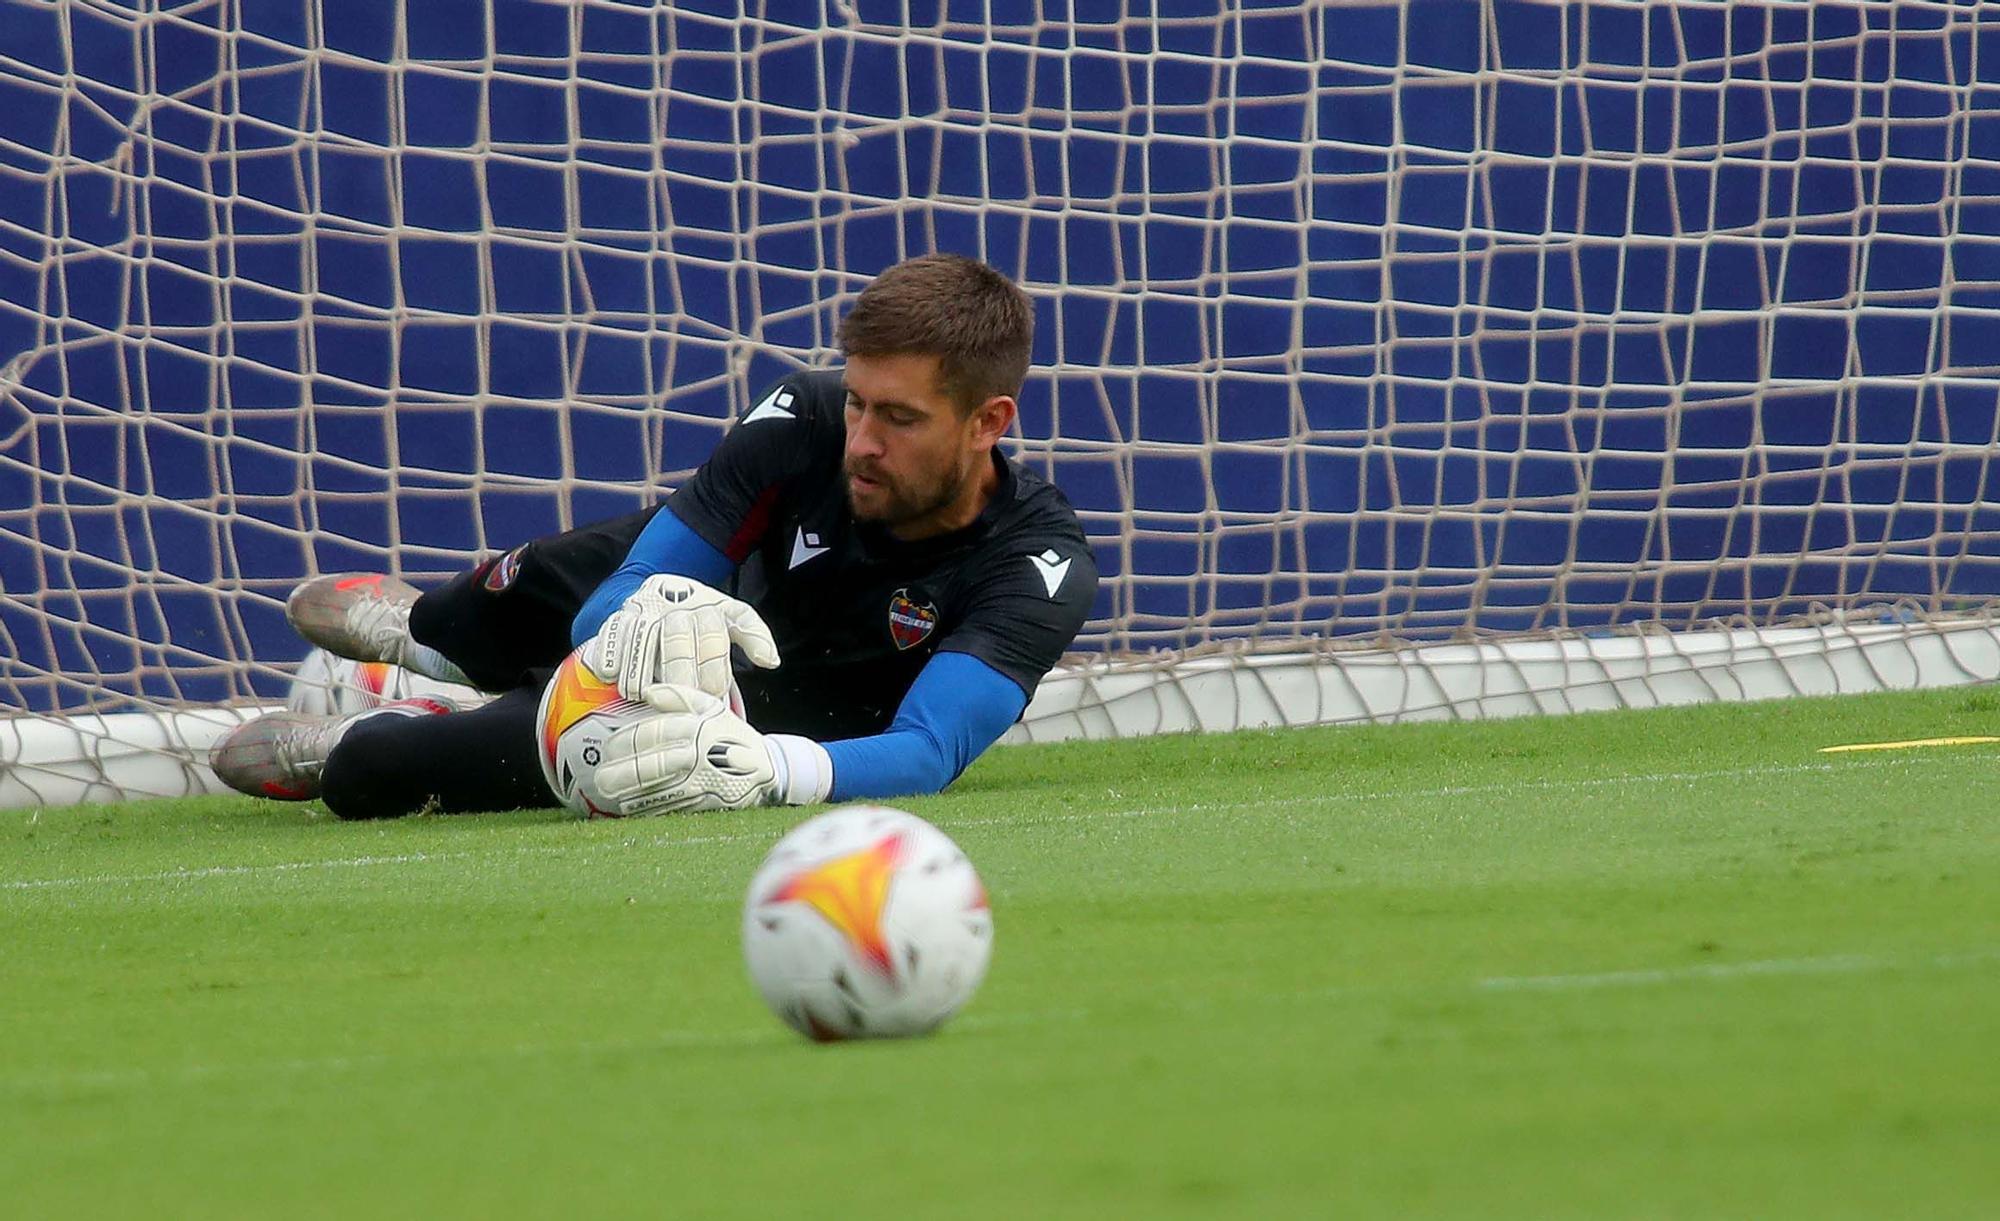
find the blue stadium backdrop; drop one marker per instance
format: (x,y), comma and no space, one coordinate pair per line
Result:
(1359,319)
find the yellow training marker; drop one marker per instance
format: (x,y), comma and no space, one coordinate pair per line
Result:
(1835,750)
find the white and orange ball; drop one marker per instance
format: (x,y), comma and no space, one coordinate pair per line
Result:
(326,685)
(866,922)
(578,712)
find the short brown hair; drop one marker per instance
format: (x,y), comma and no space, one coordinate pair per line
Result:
(971,317)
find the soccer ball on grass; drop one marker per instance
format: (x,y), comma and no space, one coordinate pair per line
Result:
(866,922)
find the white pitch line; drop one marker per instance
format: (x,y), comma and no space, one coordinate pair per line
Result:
(405,858)
(228,871)
(770,836)
(1836,964)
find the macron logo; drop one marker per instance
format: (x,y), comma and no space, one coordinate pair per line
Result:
(1052,567)
(806,546)
(776,406)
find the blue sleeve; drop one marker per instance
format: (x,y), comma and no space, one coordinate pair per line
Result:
(665,545)
(957,708)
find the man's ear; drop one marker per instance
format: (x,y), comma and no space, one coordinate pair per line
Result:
(992,418)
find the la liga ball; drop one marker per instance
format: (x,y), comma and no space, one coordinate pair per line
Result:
(866,922)
(326,685)
(578,712)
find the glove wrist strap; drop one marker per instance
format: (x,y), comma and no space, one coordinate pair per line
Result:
(804,769)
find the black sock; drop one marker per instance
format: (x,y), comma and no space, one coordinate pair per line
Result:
(460,762)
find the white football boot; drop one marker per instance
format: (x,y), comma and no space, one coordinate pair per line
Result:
(360,615)
(282,755)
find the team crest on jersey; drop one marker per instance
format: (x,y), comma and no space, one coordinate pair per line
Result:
(504,570)
(910,622)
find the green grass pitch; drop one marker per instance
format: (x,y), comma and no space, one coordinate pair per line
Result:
(1665,964)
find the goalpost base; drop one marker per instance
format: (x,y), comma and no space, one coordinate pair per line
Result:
(77,760)
(1123,699)
(59,761)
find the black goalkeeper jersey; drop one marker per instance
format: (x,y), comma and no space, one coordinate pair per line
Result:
(855,611)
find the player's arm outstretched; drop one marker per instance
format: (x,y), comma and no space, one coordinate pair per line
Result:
(698,755)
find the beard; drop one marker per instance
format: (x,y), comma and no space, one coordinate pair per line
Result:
(892,502)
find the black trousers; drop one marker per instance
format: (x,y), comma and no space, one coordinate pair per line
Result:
(506,624)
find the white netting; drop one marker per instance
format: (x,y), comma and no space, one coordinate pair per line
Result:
(1361,319)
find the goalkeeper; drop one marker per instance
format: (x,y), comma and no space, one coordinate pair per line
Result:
(894,587)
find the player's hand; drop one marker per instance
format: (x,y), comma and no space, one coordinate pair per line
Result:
(694,755)
(698,755)
(674,629)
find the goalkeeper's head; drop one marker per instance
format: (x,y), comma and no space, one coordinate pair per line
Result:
(937,348)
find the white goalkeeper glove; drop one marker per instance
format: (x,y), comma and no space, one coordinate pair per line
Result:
(674,629)
(698,755)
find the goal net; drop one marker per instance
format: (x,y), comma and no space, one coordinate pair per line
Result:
(1474,333)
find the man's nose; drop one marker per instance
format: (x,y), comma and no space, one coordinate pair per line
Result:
(863,439)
